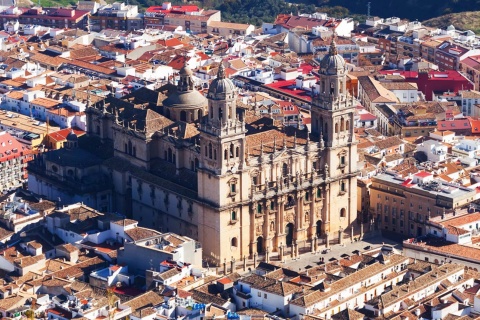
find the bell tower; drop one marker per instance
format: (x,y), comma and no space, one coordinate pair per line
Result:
(333,110)
(222,176)
(222,132)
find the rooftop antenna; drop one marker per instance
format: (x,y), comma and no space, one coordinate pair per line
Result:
(368,10)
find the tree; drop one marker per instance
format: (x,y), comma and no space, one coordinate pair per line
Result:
(30,314)
(111,300)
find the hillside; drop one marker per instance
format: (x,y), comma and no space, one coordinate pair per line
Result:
(256,11)
(463,21)
(409,9)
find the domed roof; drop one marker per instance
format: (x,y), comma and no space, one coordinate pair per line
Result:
(72,136)
(221,86)
(185,70)
(450,28)
(332,63)
(186,99)
(185,95)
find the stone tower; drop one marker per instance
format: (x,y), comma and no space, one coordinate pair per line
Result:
(221,176)
(333,121)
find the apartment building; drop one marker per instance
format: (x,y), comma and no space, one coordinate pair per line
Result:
(118,16)
(55,17)
(471,68)
(229,29)
(448,55)
(13,162)
(403,204)
(190,18)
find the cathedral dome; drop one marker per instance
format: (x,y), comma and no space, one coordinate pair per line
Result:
(185,71)
(185,99)
(185,96)
(72,136)
(221,87)
(332,63)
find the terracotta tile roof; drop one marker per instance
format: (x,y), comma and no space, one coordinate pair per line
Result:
(61,135)
(375,91)
(125,222)
(140,233)
(315,296)
(28,261)
(456,231)
(67,247)
(389,142)
(10,254)
(149,298)
(399,85)
(11,302)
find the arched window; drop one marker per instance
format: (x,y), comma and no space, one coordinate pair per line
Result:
(336,127)
(196,164)
(272,226)
(233,216)
(134,152)
(130,147)
(231,150)
(225,154)
(332,88)
(169,158)
(220,113)
(237,152)
(285,169)
(126,148)
(234,242)
(342,125)
(210,151)
(183,115)
(206,151)
(343,213)
(215,154)
(347,125)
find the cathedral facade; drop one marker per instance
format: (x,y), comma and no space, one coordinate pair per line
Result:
(228,177)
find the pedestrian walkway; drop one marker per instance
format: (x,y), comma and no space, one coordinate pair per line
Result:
(307,259)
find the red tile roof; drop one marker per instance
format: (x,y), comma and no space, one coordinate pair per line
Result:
(423,174)
(10,148)
(288,87)
(61,135)
(178,62)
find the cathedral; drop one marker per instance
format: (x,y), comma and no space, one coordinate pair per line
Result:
(205,168)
